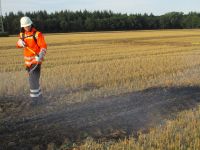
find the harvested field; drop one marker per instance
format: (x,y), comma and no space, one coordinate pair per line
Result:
(104,85)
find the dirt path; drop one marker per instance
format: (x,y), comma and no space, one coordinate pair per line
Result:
(111,117)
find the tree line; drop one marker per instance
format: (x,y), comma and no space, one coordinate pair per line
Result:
(80,21)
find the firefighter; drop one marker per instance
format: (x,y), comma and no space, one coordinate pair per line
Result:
(35,49)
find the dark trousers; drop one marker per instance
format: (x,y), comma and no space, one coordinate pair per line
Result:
(34,78)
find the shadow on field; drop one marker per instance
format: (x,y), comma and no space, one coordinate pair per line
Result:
(103,118)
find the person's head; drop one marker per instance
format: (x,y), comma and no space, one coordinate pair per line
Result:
(26,23)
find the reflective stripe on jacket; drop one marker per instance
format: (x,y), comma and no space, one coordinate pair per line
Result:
(35,46)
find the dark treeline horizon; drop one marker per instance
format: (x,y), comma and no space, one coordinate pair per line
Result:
(81,21)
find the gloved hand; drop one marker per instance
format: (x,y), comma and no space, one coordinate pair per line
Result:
(42,53)
(37,58)
(21,43)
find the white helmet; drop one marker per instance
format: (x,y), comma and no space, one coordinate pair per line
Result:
(25,21)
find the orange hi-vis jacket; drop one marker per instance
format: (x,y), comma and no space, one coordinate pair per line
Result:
(34,45)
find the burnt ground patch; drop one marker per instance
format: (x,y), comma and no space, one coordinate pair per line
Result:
(103,118)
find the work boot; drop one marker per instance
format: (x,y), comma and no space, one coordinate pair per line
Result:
(34,102)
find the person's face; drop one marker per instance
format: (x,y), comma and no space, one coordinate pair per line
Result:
(28,28)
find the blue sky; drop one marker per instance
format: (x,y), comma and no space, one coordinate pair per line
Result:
(157,7)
